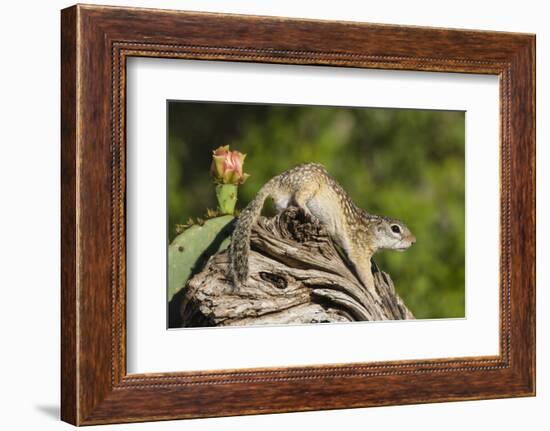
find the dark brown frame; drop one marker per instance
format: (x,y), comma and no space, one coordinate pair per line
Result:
(95,43)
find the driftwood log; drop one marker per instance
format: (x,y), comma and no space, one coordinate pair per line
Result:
(297,275)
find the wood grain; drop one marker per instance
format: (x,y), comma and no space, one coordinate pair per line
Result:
(96,41)
(69,396)
(296,276)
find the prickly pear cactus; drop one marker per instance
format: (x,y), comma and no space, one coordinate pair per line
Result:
(190,250)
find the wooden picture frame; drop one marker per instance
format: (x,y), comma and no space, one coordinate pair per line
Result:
(95,43)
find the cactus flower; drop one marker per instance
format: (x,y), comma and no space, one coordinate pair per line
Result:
(227,171)
(227,166)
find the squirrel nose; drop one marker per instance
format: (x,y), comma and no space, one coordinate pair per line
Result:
(413,239)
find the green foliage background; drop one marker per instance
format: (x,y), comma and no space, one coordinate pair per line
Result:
(403,163)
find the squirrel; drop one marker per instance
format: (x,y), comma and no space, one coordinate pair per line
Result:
(311,188)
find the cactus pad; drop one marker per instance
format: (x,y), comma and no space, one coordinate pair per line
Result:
(190,250)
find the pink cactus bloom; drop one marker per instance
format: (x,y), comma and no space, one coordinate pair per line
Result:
(227,166)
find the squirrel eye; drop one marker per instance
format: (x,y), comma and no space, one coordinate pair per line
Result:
(395,228)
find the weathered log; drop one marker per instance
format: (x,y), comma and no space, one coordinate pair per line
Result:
(297,275)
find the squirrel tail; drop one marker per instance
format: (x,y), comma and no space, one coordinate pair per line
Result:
(239,249)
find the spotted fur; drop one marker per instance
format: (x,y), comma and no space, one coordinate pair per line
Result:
(311,188)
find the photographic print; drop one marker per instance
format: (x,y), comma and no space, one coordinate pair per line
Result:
(291,214)
(248,212)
